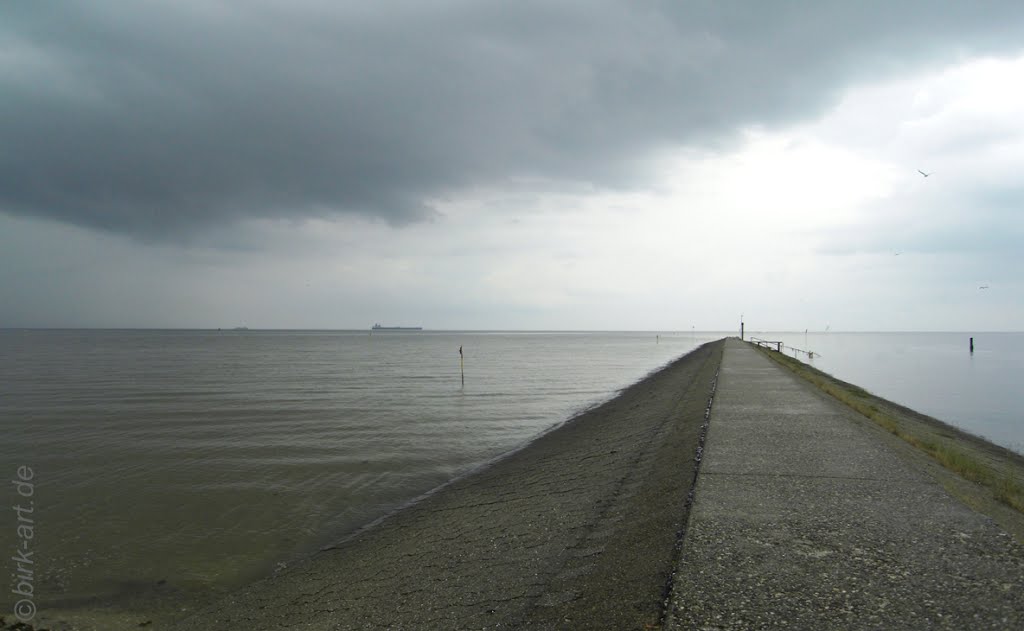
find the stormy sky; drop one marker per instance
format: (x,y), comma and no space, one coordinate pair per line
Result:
(512,165)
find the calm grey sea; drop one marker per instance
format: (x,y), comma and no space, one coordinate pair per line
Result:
(199,460)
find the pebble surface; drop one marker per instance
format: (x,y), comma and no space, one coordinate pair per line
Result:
(804,520)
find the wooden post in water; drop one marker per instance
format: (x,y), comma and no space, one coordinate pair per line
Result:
(972,344)
(462,366)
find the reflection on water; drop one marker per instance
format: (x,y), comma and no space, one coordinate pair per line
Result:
(197,460)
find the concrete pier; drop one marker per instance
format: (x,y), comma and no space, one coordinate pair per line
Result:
(801,516)
(804,519)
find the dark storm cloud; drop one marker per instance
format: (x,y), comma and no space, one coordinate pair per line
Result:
(159,119)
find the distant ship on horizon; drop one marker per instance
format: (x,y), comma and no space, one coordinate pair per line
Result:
(377,327)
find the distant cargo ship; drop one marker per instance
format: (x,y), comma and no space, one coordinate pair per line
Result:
(377,327)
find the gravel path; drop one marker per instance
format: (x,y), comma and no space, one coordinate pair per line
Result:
(805,519)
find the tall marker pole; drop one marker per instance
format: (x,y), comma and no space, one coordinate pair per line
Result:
(462,366)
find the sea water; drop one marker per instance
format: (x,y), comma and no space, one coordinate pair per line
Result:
(199,460)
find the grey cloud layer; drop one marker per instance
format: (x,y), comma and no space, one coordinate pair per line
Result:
(157,120)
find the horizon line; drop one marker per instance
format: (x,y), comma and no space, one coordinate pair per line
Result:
(498,330)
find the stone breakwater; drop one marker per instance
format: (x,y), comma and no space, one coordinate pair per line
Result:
(720,492)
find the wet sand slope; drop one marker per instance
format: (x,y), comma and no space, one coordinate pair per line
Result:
(578,530)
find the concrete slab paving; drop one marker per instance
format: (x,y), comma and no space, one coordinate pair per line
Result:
(789,444)
(803,519)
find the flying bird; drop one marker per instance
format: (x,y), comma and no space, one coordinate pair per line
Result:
(923,173)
